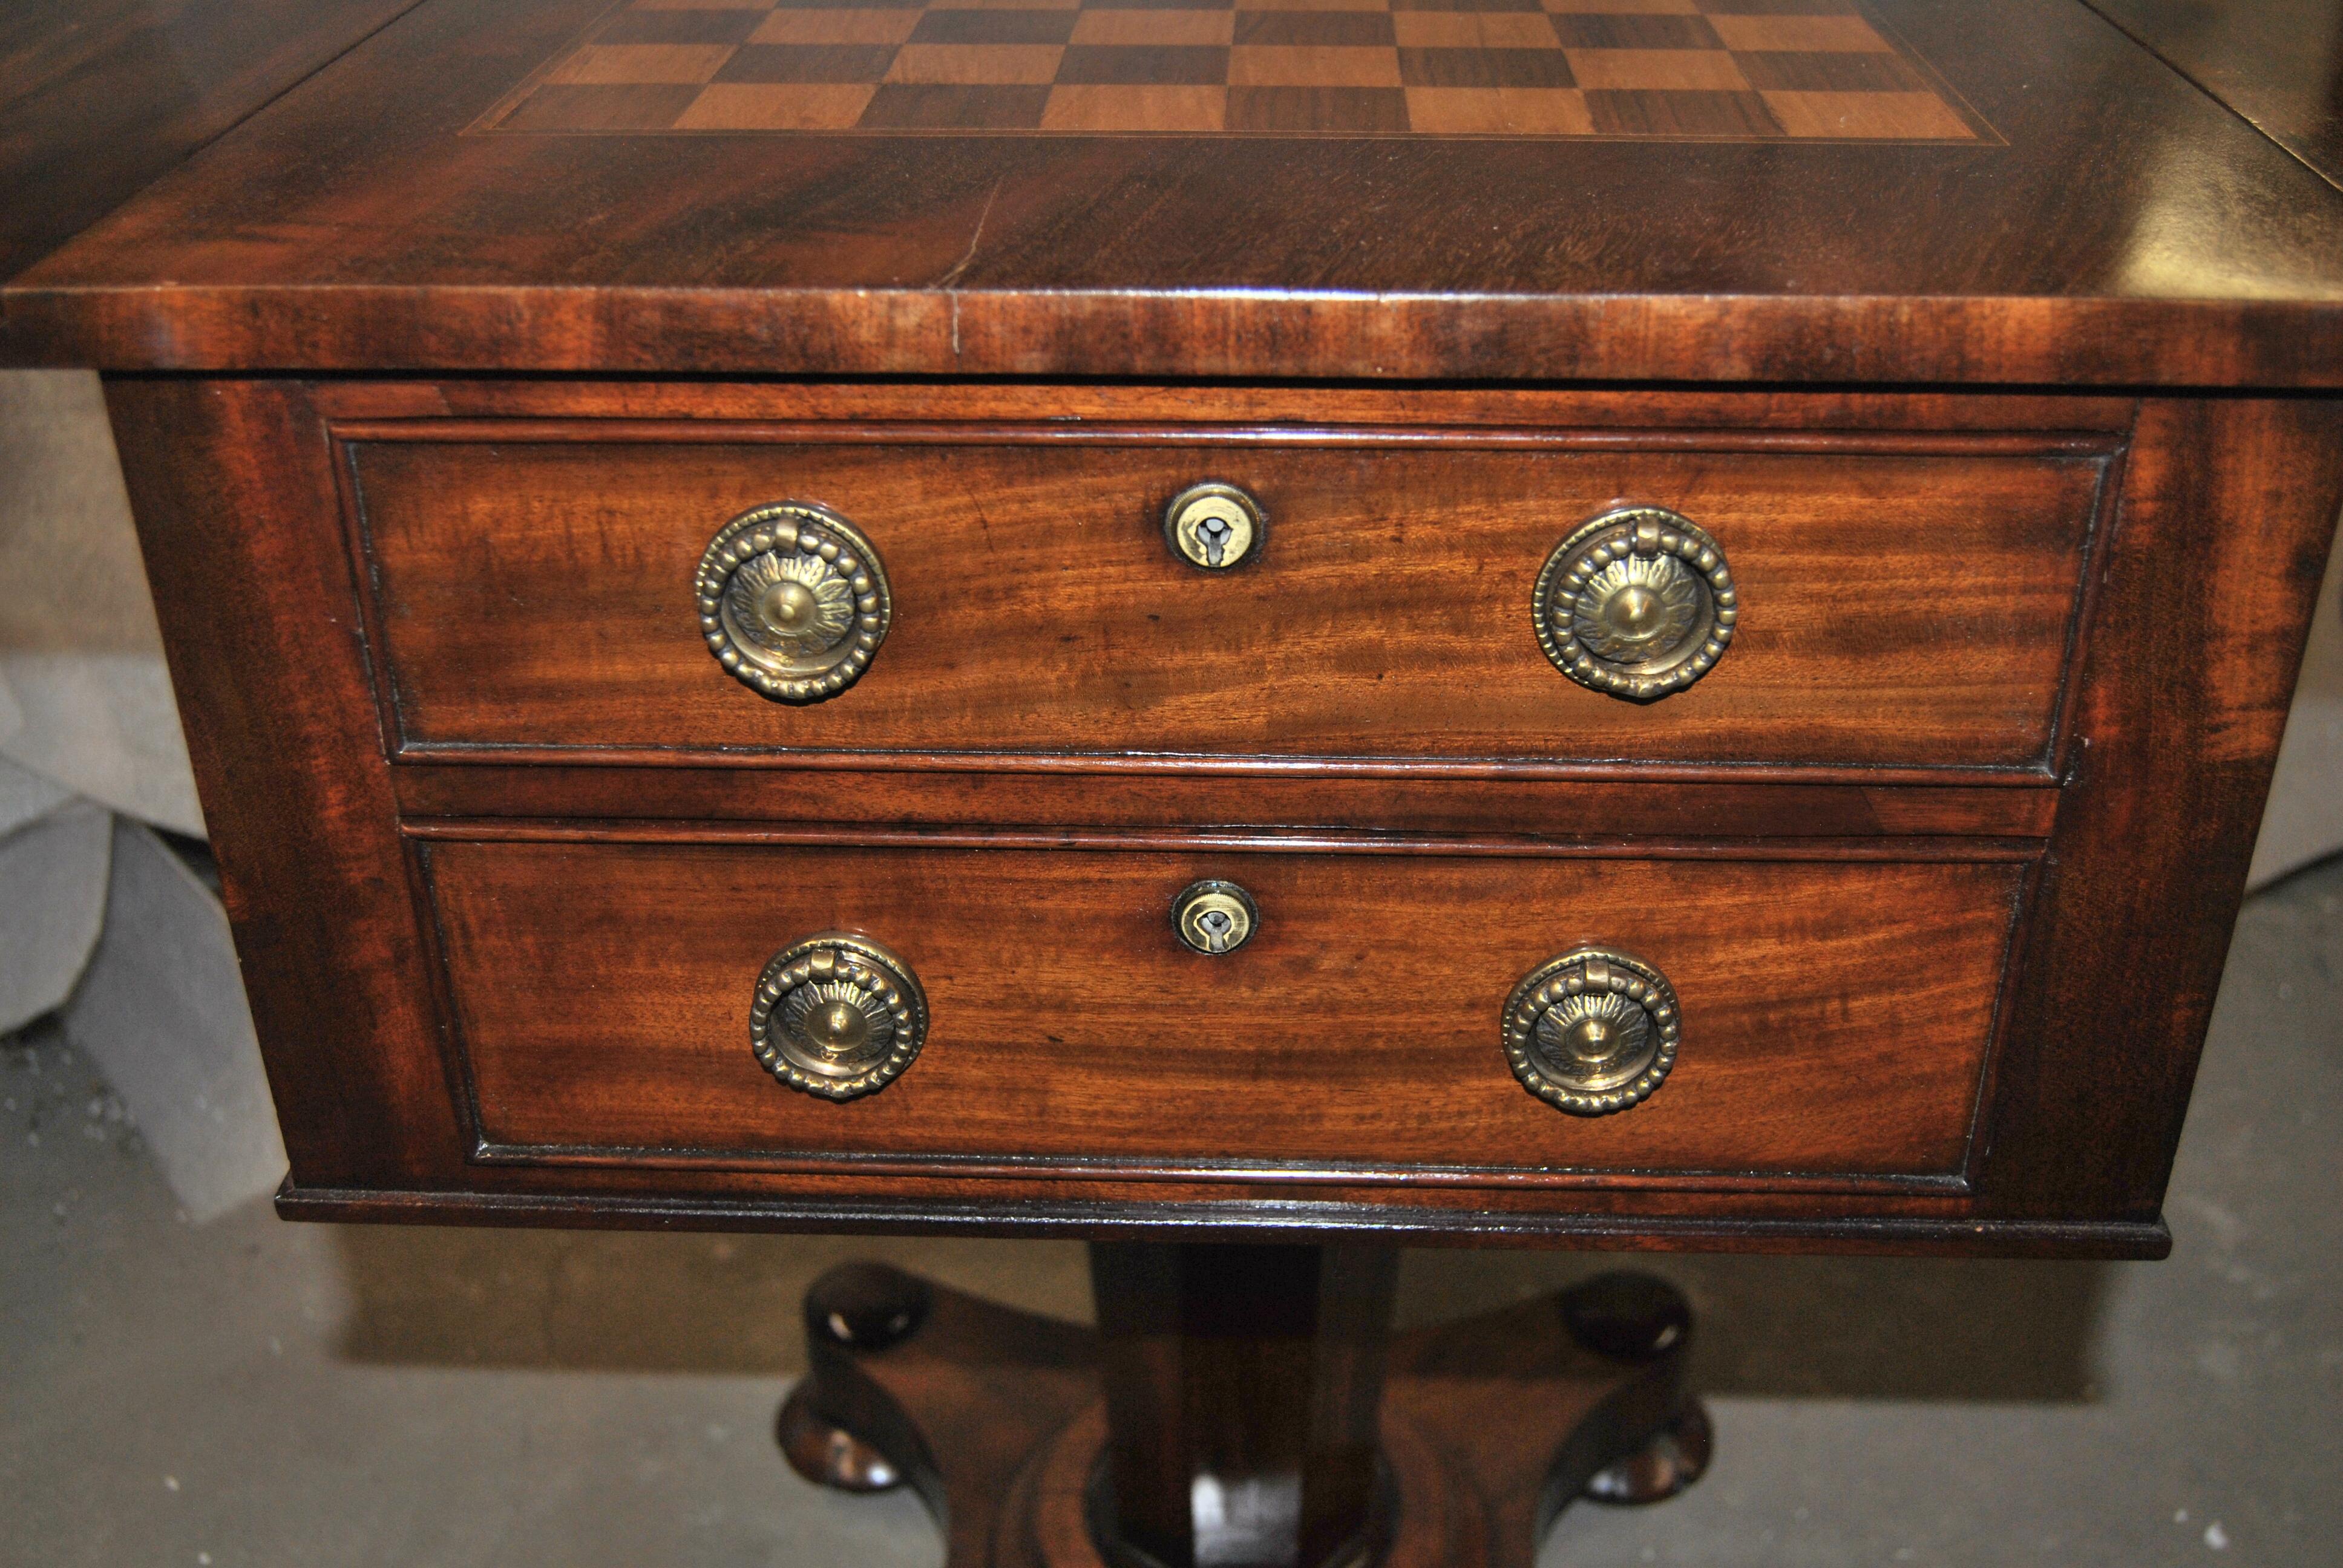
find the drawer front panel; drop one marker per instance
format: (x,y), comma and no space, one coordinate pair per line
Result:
(1897,609)
(1836,1016)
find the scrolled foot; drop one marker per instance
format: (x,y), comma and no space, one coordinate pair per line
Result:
(828,1454)
(1676,1457)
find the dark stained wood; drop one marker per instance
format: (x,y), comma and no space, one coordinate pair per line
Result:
(2279,63)
(362,223)
(289,763)
(532,593)
(1242,1387)
(98,98)
(1836,1015)
(1028,1214)
(1493,413)
(929,67)
(2227,511)
(1588,806)
(235,488)
(1488,1426)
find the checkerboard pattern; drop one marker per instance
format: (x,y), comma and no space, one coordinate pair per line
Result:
(1736,70)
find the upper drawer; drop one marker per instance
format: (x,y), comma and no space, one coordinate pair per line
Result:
(1913,608)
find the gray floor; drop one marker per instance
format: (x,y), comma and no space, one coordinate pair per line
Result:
(254,1392)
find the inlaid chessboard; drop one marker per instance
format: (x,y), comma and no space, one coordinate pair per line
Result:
(1733,70)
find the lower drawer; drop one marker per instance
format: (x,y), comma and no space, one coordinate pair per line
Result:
(1834,1019)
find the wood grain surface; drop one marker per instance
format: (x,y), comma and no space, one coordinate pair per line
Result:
(1694,69)
(2279,63)
(533,593)
(1836,1016)
(2204,585)
(98,98)
(2127,230)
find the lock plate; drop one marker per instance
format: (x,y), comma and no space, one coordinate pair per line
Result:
(1214,525)
(1214,917)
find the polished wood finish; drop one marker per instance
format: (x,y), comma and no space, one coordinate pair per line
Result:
(531,590)
(2279,63)
(1837,1014)
(355,225)
(1232,1403)
(2015,424)
(2195,610)
(1741,71)
(98,98)
(1242,1388)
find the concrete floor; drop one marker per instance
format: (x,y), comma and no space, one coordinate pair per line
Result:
(253,1392)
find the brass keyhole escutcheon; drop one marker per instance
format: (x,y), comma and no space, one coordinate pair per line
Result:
(1591,1031)
(1214,917)
(837,1015)
(1638,603)
(1214,525)
(793,600)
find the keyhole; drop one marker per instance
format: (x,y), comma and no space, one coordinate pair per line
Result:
(1217,926)
(1214,533)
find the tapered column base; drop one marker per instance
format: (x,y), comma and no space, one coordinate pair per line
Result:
(1490,1426)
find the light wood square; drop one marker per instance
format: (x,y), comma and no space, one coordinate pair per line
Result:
(1312,5)
(1498,112)
(641,65)
(892,26)
(1160,27)
(1285,66)
(1135,108)
(976,64)
(777,107)
(1691,70)
(1824,34)
(1890,117)
(1475,30)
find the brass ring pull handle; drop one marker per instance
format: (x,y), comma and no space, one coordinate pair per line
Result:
(1638,603)
(837,1015)
(1591,1031)
(793,600)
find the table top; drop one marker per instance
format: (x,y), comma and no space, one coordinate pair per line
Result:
(1949,191)
(98,97)
(2279,63)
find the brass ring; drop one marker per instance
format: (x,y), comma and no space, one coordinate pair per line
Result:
(793,600)
(1638,602)
(838,1016)
(1591,1031)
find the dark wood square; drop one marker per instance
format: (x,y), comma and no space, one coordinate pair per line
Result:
(1356,29)
(994,27)
(1187,64)
(808,62)
(1357,110)
(1631,32)
(1486,68)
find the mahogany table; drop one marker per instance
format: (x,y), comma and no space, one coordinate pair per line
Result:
(1254,632)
